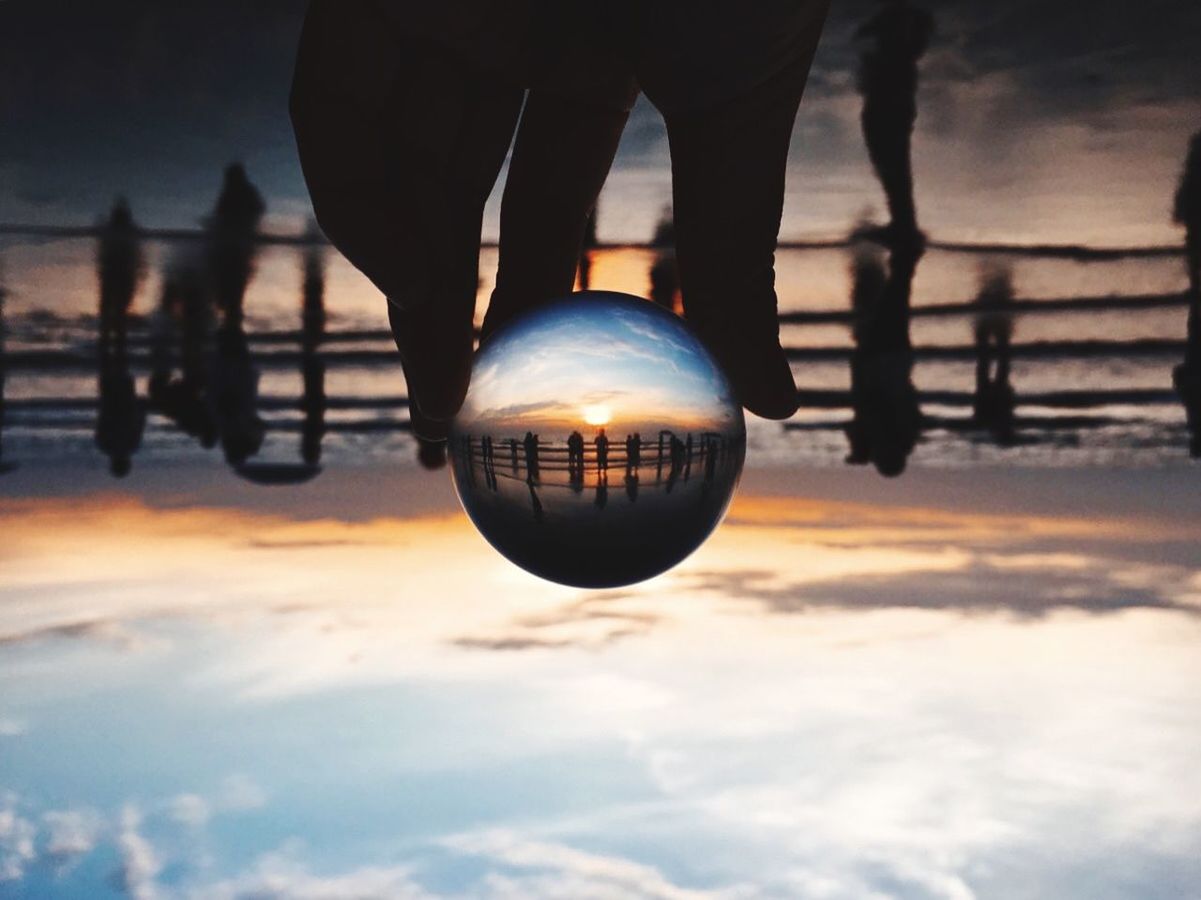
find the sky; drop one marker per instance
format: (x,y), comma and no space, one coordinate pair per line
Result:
(1065,121)
(632,367)
(341,692)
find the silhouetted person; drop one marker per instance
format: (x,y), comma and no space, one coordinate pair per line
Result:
(710,458)
(1187,212)
(602,452)
(183,308)
(4,466)
(575,458)
(121,419)
(677,462)
(467,446)
(886,420)
(661,455)
(513,463)
(232,231)
(688,457)
(120,266)
(895,39)
(488,456)
(664,275)
(530,444)
(399,178)
(313,401)
(633,453)
(994,401)
(234,391)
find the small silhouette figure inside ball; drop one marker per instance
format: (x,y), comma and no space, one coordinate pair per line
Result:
(599,443)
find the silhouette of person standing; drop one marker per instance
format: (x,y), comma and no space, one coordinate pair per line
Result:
(710,458)
(120,267)
(677,462)
(122,417)
(575,458)
(633,453)
(994,400)
(313,402)
(602,454)
(895,38)
(488,454)
(232,234)
(886,419)
(5,467)
(183,303)
(1187,212)
(530,444)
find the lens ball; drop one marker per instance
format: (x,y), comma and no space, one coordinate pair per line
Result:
(599,444)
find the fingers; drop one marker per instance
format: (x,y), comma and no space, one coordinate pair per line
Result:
(344,93)
(565,146)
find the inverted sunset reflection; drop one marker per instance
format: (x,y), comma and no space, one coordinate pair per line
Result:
(596,385)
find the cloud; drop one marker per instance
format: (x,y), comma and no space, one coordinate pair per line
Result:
(588,623)
(1030,589)
(191,810)
(542,869)
(140,864)
(278,876)
(10,727)
(236,794)
(70,834)
(240,793)
(16,840)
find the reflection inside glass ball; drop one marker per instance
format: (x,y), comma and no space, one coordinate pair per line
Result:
(599,443)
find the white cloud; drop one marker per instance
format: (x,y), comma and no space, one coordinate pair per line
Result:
(240,793)
(140,864)
(16,840)
(70,834)
(553,870)
(189,809)
(279,877)
(12,727)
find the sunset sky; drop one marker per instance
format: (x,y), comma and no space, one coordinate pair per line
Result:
(1065,121)
(635,366)
(330,693)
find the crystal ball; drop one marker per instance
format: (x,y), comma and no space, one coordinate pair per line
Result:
(599,443)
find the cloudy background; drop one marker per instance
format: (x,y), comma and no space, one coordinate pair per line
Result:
(328,694)
(1063,121)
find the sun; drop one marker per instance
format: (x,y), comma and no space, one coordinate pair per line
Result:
(597,415)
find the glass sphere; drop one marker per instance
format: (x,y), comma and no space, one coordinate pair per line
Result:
(599,443)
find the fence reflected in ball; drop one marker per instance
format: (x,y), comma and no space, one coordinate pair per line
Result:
(599,443)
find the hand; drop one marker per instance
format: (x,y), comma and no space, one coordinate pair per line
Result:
(401,142)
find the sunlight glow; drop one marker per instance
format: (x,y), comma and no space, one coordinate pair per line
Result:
(597,415)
